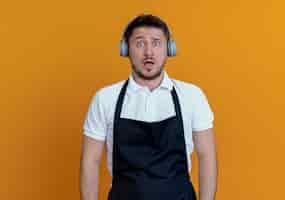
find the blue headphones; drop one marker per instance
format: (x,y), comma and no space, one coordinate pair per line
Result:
(171,46)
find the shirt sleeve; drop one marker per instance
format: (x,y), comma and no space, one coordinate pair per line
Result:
(95,125)
(203,116)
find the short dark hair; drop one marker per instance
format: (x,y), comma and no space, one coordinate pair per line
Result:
(147,20)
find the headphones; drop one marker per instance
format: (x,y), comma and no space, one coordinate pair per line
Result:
(171,46)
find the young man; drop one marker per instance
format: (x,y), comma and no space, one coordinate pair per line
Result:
(150,125)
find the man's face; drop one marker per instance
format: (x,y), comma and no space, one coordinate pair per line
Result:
(147,52)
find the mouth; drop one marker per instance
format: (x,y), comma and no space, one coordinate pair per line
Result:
(148,62)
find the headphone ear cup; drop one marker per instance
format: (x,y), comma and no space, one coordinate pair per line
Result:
(171,48)
(124,48)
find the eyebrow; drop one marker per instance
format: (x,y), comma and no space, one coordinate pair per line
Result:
(138,37)
(141,37)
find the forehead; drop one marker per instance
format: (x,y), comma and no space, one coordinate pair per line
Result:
(148,32)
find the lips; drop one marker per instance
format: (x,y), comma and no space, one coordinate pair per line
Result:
(148,62)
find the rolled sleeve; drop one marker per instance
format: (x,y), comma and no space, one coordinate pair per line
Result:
(203,116)
(95,121)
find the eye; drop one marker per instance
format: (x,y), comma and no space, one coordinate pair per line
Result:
(156,43)
(140,44)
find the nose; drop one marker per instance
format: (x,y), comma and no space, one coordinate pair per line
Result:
(148,51)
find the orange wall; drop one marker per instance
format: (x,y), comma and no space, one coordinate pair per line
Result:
(54,55)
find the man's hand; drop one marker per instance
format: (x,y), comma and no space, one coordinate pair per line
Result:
(204,144)
(89,168)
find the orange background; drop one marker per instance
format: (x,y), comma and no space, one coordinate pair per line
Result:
(54,55)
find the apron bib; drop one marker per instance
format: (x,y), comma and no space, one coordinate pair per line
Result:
(149,158)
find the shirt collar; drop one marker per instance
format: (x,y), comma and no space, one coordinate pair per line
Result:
(166,83)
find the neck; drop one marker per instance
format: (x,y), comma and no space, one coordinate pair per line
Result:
(151,84)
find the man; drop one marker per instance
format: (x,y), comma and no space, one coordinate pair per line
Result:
(150,124)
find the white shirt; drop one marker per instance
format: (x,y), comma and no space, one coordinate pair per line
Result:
(142,104)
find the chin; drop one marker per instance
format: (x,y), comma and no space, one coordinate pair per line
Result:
(150,75)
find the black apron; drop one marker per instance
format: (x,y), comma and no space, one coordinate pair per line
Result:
(149,158)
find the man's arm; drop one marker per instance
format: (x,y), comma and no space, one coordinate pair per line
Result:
(89,168)
(204,143)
